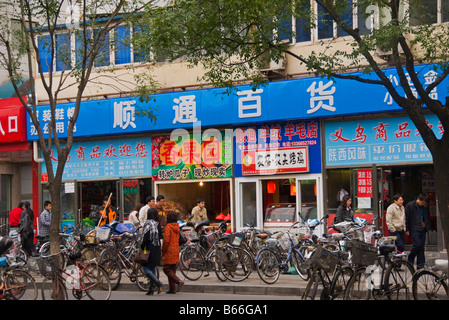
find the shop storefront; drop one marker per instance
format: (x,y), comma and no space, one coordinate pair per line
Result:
(16,159)
(187,166)
(278,174)
(97,169)
(374,159)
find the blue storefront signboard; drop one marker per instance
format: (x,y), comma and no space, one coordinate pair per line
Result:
(92,160)
(387,140)
(297,99)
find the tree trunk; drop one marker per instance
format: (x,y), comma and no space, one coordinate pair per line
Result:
(440,159)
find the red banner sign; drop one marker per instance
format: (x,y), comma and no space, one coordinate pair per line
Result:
(12,121)
(364,183)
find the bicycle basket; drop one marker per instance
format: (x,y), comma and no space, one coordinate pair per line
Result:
(284,241)
(322,258)
(46,265)
(192,235)
(236,239)
(103,234)
(363,254)
(210,238)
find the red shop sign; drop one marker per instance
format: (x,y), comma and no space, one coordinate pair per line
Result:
(364,183)
(12,121)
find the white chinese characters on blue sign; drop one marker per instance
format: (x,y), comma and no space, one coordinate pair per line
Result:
(374,141)
(298,99)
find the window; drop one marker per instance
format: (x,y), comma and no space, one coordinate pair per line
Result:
(122,39)
(429,12)
(44,48)
(103,57)
(63,52)
(115,49)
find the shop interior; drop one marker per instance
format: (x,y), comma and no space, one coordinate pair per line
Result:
(181,197)
(409,181)
(279,201)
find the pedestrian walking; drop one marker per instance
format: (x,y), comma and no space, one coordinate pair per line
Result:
(14,218)
(170,252)
(143,211)
(160,207)
(44,220)
(152,234)
(26,229)
(395,219)
(417,224)
(134,215)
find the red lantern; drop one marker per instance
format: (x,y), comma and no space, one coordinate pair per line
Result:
(293,189)
(271,187)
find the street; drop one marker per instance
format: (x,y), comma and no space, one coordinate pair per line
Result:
(139,295)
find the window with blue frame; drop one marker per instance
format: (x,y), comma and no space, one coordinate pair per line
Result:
(117,52)
(82,47)
(303,29)
(347,17)
(325,24)
(44,48)
(63,52)
(122,40)
(103,57)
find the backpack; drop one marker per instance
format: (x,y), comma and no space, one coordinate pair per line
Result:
(25,224)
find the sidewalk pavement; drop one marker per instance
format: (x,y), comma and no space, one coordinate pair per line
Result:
(287,284)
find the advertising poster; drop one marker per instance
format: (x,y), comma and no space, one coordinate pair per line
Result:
(192,157)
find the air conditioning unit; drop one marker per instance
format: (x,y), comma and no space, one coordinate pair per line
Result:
(272,66)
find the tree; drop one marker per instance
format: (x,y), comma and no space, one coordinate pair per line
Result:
(233,39)
(32,46)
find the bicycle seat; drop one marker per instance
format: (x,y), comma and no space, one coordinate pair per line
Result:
(262,236)
(441,264)
(194,240)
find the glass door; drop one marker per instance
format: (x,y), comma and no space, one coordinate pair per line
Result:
(247,203)
(309,198)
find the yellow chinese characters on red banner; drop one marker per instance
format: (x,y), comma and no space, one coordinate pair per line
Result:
(190,158)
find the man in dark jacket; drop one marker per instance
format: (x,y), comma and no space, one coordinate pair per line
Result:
(417,225)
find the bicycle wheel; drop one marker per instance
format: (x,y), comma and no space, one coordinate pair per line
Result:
(312,287)
(340,282)
(236,264)
(189,263)
(95,282)
(216,257)
(267,265)
(52,289)
(114,270)
(298,262)
(429,285)
(399,280)
(358,288)
(22,285)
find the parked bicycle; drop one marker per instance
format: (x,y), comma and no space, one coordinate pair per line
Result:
(431,283)
(84,279)
(14,283)
(390,277)
(117,258)
(278,254)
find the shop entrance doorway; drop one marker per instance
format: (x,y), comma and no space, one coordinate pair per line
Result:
(274,203)
(409,181)
(181,197)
